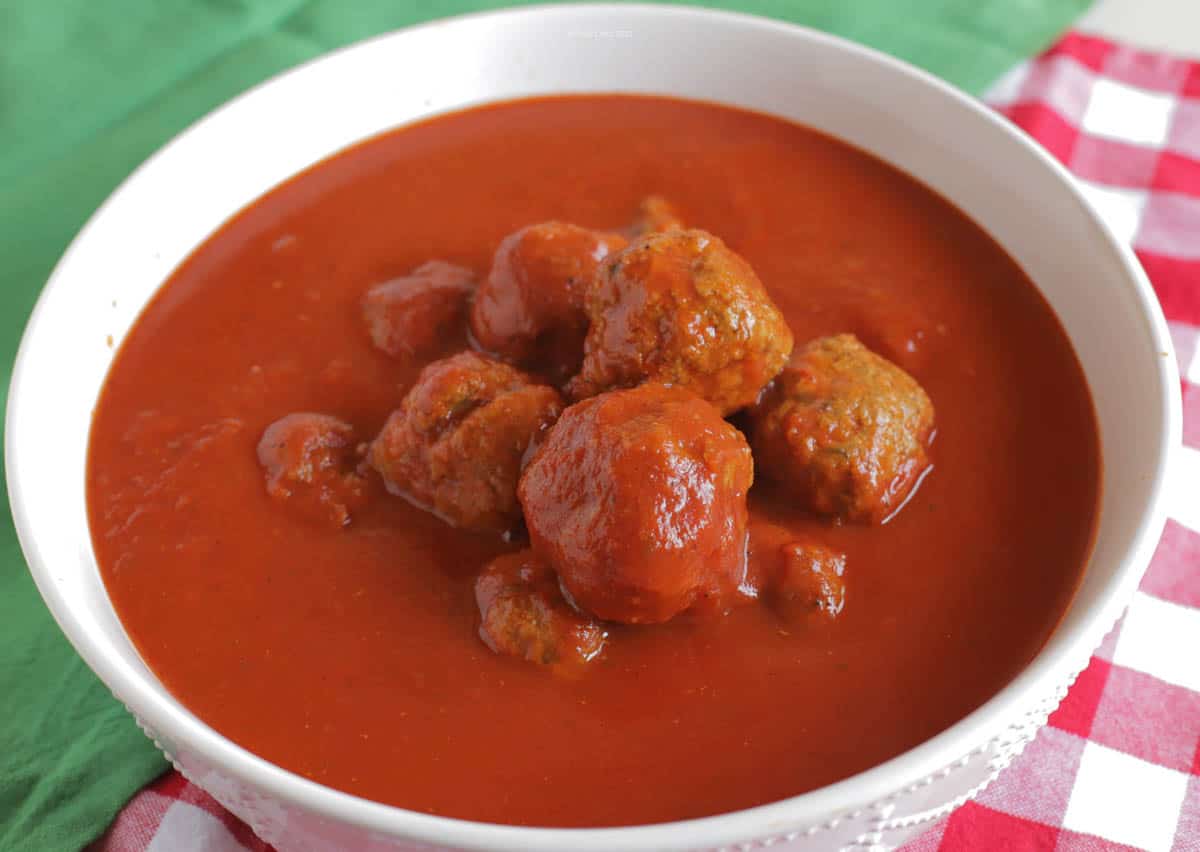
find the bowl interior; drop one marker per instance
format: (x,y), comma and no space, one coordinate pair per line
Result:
(972,158)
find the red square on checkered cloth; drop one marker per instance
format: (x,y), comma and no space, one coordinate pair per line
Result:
(1057,135)
(1078,709)
(1175,172)
(1087,50)
(975,827)
(1176,281)
(1119,762)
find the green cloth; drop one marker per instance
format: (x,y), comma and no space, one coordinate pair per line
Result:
(87,91)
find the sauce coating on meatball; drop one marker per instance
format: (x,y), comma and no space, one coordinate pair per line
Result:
(798,577)
(681,308)
(637,498)
(456,443)
(413,316)
(524,614)
(844,431)
(530,307)
(655,215)
(310,464)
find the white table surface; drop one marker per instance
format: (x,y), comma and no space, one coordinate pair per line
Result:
(1168,25)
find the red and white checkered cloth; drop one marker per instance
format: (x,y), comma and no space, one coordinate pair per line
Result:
(1118,766)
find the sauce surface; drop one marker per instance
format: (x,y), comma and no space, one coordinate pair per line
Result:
(352,656)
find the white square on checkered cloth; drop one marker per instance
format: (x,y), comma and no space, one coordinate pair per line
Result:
(1161,639)
(1125,799)
(187,828)
(1186,338)
(1131,115)
(1121,209)
(1183,505)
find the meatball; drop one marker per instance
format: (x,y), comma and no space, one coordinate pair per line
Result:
(413,316)
(637,498)
(799,577)
(844,431)
(310,462)
(456,443)
(529,308)
(655,215)
(680,308)
(524,614)
(810,580)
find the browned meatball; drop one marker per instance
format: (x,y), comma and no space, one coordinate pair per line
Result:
(637,498)
(810,580)
(680,308)
(800,578)
(523,614)
(455,444)
(844,430)
(529,308)
(655,215)
(310,464)
(414,316)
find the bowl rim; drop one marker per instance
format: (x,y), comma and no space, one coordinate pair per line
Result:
(1062,654)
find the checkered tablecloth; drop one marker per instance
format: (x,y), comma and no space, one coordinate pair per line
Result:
(1118,766)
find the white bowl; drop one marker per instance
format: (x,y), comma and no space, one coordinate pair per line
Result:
(1022,197)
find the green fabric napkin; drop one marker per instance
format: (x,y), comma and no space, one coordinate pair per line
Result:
(87,91)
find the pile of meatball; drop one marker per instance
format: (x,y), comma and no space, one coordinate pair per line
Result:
(588,422)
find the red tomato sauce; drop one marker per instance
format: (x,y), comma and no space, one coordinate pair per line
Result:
(352,656)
